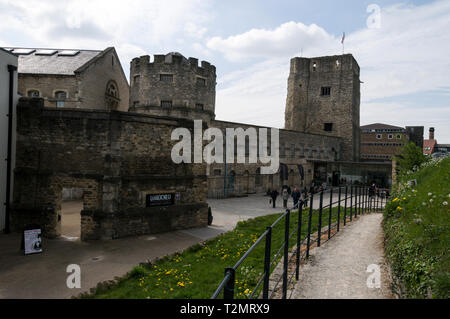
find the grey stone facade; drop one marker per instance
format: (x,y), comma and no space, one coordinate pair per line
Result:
(116,158)
(324,98)
(173,86)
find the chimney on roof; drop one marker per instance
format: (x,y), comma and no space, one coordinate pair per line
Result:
(431,136)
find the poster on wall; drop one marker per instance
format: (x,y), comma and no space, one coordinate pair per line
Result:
(32,241)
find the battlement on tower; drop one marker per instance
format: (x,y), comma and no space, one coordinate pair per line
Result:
(173,59)
(334,63)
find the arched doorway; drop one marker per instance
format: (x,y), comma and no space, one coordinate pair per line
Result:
(246,182)
(231,182)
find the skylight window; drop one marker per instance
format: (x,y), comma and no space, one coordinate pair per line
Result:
(45,52)
(68,53)
(23,51)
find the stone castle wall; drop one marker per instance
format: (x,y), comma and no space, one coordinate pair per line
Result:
(116,158)
(296,148)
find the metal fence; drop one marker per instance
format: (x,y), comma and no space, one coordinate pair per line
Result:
(345,204)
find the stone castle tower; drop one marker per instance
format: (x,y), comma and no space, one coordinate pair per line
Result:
(173,86)
(324,98)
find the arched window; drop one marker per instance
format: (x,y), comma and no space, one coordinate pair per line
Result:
(60,97)
(33,93)
(112,96)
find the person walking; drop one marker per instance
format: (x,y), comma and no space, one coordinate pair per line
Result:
(274,194)
(305,197)
(285,196)
(296,197)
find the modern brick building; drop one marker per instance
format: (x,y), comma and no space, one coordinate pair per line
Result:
(380,142)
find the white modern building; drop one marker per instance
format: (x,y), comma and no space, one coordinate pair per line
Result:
(8,99)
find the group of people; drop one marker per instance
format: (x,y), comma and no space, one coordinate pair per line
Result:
(298,197)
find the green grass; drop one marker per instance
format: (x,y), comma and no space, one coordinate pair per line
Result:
(416,226)
(197,272)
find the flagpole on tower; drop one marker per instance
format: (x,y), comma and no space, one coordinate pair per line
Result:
(343,44)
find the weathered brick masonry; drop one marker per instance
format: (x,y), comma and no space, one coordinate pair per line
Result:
(117,158)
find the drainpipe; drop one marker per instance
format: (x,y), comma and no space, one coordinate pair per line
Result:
(11,70)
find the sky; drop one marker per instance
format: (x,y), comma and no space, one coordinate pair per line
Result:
(402,47)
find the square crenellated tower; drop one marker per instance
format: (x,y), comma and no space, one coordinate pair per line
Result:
(324,98)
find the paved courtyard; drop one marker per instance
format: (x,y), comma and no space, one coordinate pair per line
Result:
(44,275)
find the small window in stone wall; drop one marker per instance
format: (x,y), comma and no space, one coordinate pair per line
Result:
(325,91)
(314,66)
(379,136)
(199,106)
(217,172)
(60,98)
(168,78)
(328,127)
(166,103)
(292,150)
(33,93)
(282,150)
(112,97)
(137,79)
(201,81)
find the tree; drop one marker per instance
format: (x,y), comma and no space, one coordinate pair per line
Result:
(410,156)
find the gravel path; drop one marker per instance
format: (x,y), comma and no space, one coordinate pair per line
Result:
(338,269)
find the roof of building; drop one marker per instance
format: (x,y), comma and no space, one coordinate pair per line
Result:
(53,61)
(7,51)
(428,146)
(381,126)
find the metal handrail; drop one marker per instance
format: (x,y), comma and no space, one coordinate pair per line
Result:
(360,202)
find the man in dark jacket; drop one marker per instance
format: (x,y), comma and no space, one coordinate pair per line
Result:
(295,197)
(274,194)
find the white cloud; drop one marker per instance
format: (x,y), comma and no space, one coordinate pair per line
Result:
(286,40)
(408,54)
(132,27)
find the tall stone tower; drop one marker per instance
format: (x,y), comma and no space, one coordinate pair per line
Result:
(324,98)
(173,86)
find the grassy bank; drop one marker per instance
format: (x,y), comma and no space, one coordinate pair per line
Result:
(417,232)
(196,273)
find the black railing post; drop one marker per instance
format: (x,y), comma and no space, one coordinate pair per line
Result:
(267,257)
(339,210)
(228,290)
(319,230)
(308,242)
(376,202)
(360,200)
(351,203)
(356,201)
(345,205)
(286,254)
(365,200)
(329,215)
(299,242)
